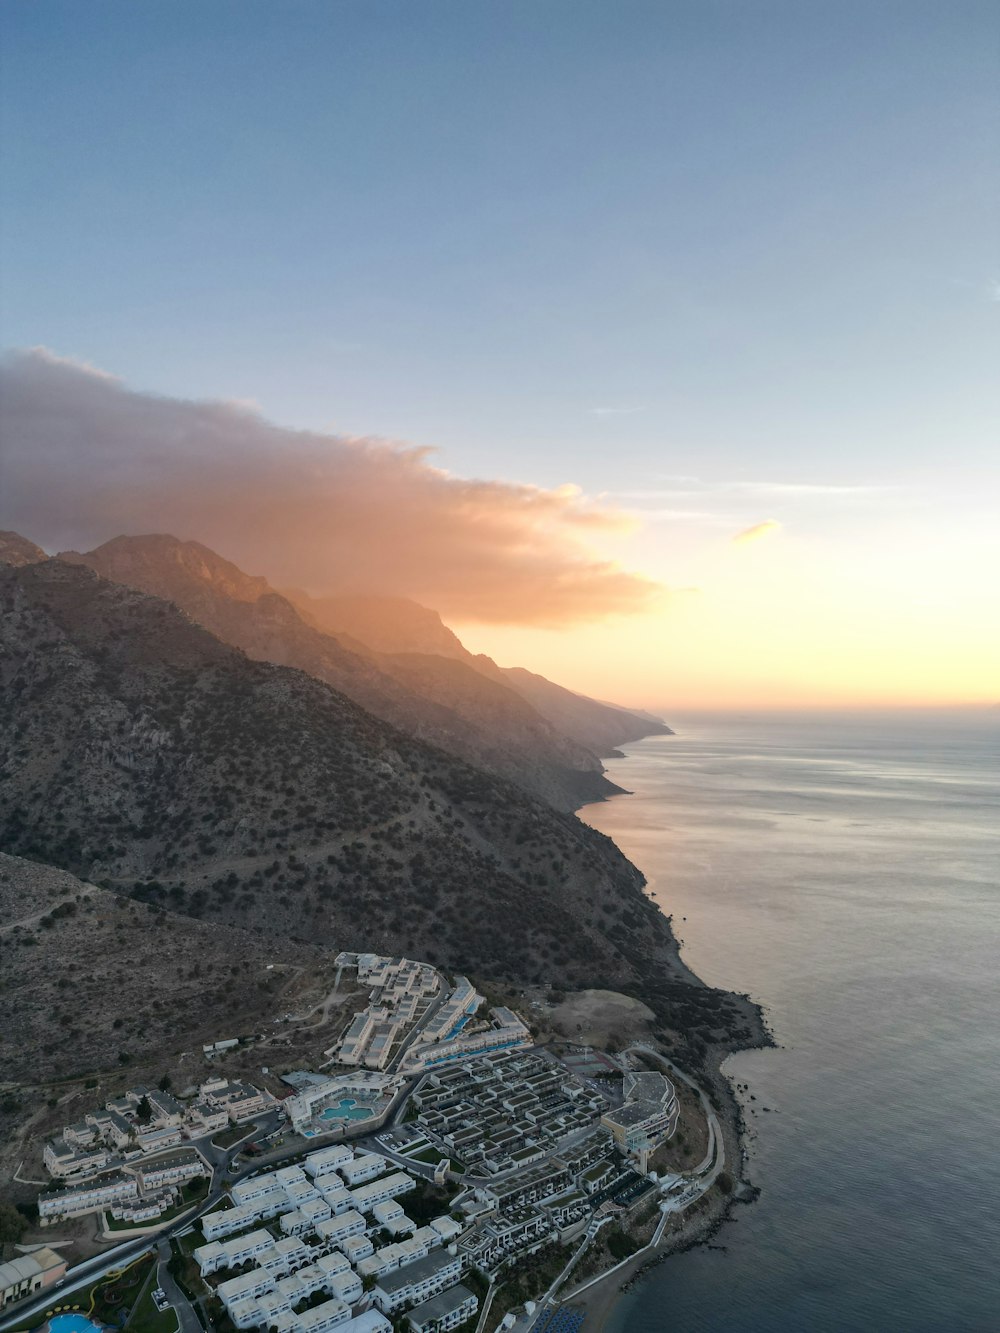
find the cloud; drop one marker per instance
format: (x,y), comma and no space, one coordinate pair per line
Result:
(83,458)
(613,411)
(757,532)
(695,486)
(799,488)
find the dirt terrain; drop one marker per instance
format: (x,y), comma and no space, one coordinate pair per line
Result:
(601,1018)
(100,993)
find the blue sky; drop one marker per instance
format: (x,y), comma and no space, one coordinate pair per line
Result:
(611,244)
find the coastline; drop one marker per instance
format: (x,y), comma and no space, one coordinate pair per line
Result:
(701,1223)
(698,1225)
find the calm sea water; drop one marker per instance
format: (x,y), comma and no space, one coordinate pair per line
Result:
(845,871)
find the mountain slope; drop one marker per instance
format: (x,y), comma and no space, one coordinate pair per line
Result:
(17,550)
(385,624)
(601,727)
(396,625)
(68,1003)
(142,753)
(442,701)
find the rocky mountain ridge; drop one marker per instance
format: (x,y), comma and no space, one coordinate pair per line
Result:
(396,625)
(476,716)
(141,753)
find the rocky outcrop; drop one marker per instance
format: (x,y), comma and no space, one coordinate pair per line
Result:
(17,550)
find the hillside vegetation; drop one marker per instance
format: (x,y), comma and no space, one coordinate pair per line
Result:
(142,754)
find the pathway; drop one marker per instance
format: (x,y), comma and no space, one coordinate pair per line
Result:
(187,1320)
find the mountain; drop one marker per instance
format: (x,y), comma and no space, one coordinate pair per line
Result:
(385,624)
(601,727)
(395,625)
(17,550)
(437,699)
(141,753)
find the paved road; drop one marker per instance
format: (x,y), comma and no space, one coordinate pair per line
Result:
(187,1320)
(715,1156)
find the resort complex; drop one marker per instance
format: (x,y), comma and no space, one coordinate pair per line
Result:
(434,1151)
(144,1122)
(127,1160)
(647,1117)
(415,1021)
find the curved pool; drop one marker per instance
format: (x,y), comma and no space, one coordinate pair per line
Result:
(348,1109)
(72,1323)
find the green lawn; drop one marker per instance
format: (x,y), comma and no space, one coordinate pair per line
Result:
(189,1242)
(183,1268)
(111,1297)
(432,1156)
(227,1137)
(428,1154)
(146,1318)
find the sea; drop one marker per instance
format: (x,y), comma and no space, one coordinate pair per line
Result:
(844,870)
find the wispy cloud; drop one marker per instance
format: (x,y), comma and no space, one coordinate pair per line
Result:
(732,486)
(800,488)
(709,516)
(84,458)
(757,532)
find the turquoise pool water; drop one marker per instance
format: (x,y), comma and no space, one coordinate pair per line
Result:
(73,1323)
(465,1055)
(348,1109)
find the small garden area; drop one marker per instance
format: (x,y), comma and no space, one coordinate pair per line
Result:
(183,1268)
(146,1318)
(227,1137)
(116,1296)
(530,1276)
(428,1201)
(431,1156)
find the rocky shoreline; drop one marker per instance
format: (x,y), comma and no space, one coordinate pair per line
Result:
(700,1227)
(704,1221)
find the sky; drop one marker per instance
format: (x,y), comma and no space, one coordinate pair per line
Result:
(654,344)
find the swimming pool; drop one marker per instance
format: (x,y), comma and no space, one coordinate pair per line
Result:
(73,1323)
(347,1109)
(467,1055)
